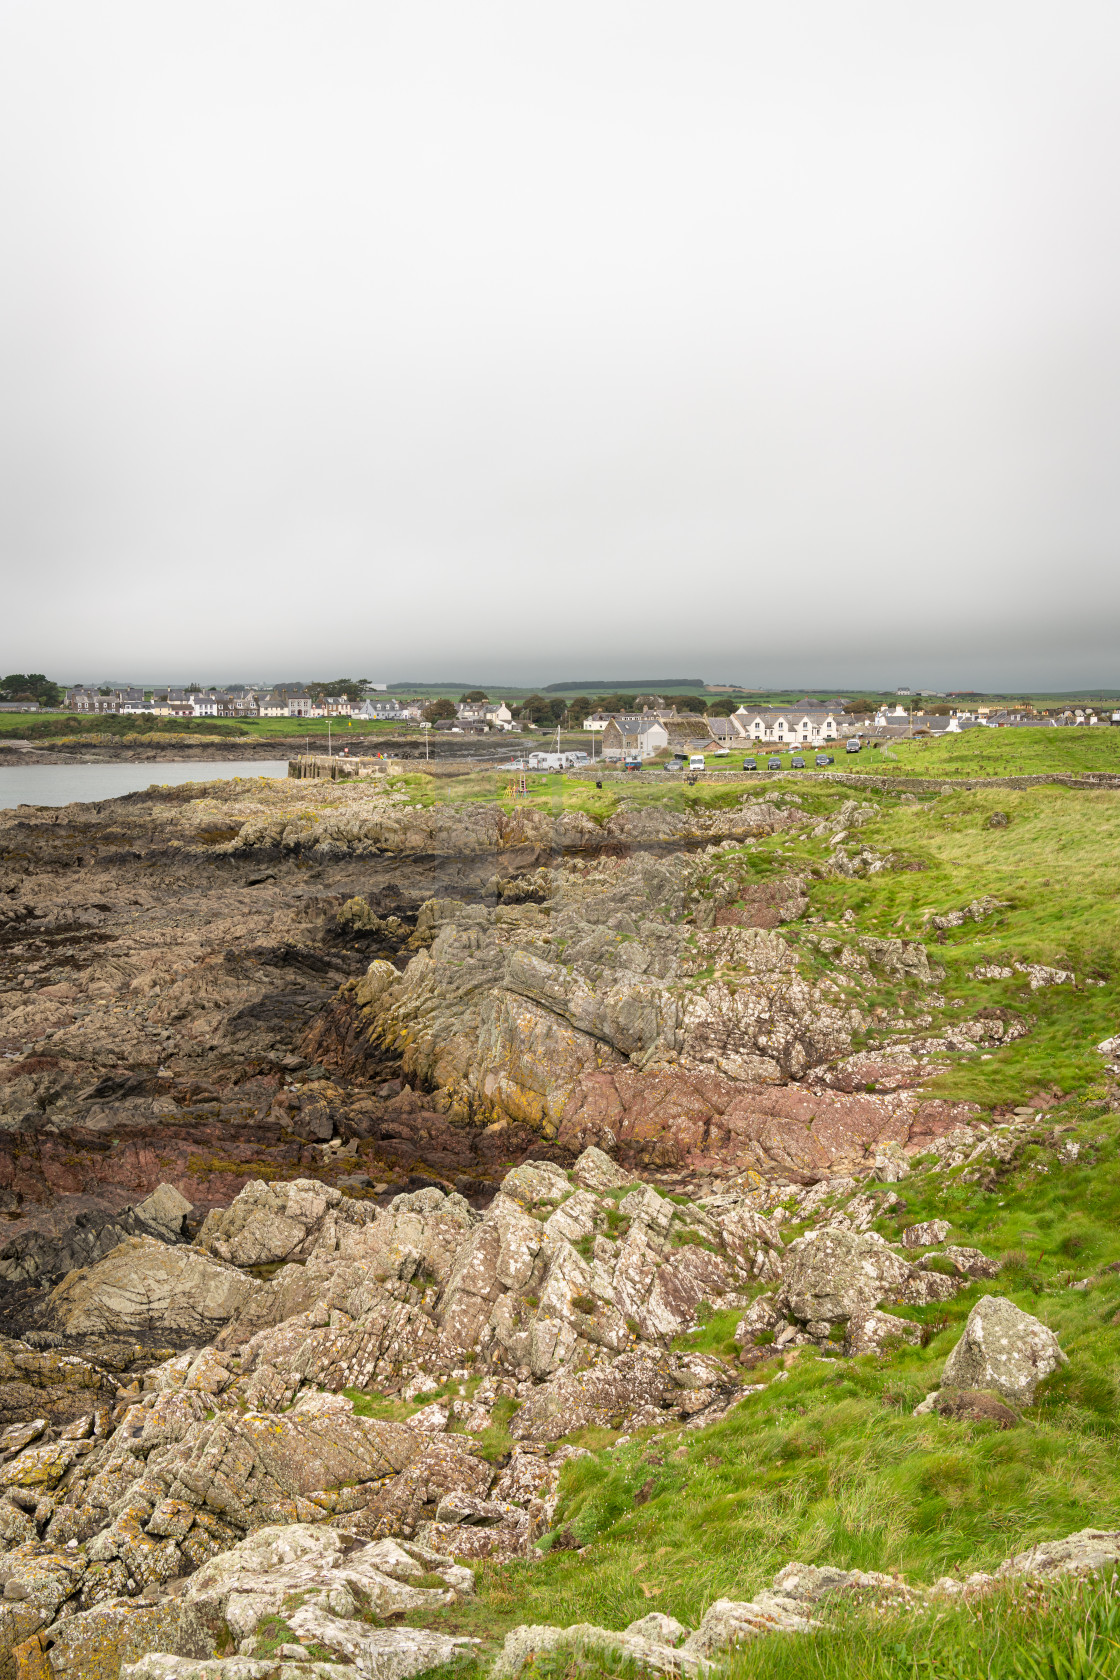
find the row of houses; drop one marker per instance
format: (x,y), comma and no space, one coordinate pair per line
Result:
(247,701)
(238,702)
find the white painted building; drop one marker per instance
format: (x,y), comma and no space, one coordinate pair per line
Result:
(796,725)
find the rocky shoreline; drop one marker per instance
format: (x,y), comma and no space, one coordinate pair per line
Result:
(356,1153)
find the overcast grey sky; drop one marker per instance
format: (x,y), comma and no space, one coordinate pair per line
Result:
(776,343)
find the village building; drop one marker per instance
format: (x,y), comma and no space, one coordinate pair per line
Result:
(804,726)
(384,710)
(492,714)
(645,734)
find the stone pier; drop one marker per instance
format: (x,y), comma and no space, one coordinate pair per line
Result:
(339,768)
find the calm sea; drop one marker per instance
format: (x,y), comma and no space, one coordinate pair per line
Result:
(60,784)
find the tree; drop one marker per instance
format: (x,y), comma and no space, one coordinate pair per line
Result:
(691,705)
(541,709)
(473,694)
(858,708)
(438,709)
(723,708)
(33,686)
(579,708)
(338,685)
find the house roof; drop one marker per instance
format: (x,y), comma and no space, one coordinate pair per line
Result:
(773,713)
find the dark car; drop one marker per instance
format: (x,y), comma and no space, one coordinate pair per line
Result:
(750,764)
(853,745)
(797,764)
(823,759)
(773,764)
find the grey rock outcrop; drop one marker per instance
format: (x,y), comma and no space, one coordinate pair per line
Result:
(646,963)
(1005,1349)
(267,1223)
(144,1288)
(834,1276)
(163,1213)
(46,1255)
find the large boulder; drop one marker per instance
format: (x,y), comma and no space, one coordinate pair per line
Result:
(833,1276)
(93,1644)
(1083,1553)
(267,1223)
(1005,1349)
(143,1288)
(163,1212)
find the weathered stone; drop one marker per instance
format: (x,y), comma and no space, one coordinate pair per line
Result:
(879,1332)
(40,1467)
(605,1396)
(1086,1552)
(922,1289)
(330,1571)
(20,1435)
(448,1464)
(271,1222)
(94,1644)
(261,1469)
(971,1261)
(837,1275)
(163,1212)
(524,1644)
(926,1234)
(661,1629)
(595,1170)
(144,1288)
(1005,1349)
(973,1406)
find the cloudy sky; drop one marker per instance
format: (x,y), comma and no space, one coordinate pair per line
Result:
(467,339)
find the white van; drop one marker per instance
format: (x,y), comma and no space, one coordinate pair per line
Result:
(696,762)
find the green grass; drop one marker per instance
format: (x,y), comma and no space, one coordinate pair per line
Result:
(1071,1633)
(993,752)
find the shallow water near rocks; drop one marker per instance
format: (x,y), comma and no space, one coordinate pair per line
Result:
(62,784)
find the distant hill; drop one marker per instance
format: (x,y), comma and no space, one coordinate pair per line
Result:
(614,685)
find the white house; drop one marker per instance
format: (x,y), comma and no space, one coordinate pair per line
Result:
(798,725)
(597,721)
(379,711)
(304,706)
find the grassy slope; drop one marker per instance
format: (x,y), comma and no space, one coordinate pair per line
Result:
(996,752)
(829,1465)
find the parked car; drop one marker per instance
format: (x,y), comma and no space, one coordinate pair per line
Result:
(750,764)
(677,762)
(797,764)
(696,762)
(853,745)
(722,752)
(773,764)
(823,759)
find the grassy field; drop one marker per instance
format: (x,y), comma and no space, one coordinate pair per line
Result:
(976,752)
(1000,752)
